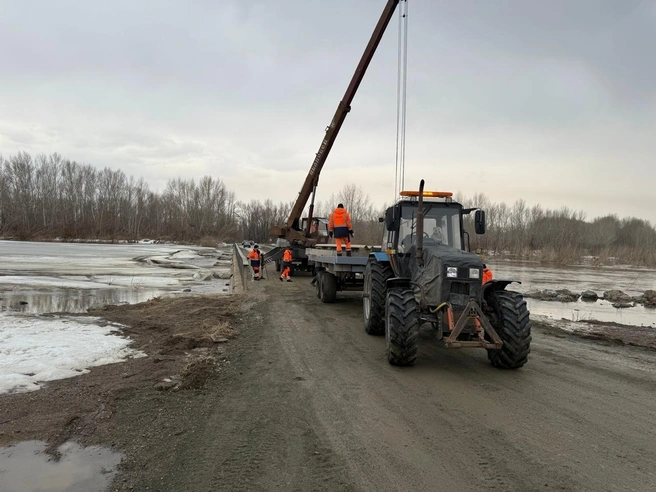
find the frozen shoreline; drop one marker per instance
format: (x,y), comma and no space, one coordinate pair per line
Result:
(41,278)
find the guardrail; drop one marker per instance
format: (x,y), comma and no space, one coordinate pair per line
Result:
(240,262)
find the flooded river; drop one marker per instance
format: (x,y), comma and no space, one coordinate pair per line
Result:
(41,282)
(38,277)
(69,277)
(536,276)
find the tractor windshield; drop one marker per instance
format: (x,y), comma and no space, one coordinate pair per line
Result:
(441,225)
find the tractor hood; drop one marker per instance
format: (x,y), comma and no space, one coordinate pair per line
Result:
(436,286)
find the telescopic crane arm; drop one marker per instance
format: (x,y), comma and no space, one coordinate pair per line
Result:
(312,179)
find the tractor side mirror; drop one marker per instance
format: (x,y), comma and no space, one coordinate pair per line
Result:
(391,219)
(479,221)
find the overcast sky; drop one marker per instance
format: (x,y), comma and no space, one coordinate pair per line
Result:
(553,102)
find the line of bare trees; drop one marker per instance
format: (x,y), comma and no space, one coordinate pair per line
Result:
(48,197)
(561,236)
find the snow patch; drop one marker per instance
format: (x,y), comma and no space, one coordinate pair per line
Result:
(34,350)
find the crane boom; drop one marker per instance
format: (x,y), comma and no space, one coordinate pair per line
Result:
(332,130)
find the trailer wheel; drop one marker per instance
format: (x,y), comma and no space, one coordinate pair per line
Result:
(318,283)
(373,300)
(328,287)
(402,327)
(510,318)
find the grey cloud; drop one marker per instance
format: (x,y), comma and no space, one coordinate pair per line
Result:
(243,90)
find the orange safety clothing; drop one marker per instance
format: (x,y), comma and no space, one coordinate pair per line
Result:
(287,257)
(255,257)
(347,243)
(285,274)
(487,275)
(340,223)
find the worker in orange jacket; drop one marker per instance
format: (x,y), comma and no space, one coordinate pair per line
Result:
(287,259)
(340,226)
(487,274)
(255,257)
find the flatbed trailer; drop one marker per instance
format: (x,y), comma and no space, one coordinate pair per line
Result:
(337,273)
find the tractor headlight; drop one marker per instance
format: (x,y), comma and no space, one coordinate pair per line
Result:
(474,273)
(452,272)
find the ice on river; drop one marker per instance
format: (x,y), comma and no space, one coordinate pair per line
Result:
(38,278)
(36,349)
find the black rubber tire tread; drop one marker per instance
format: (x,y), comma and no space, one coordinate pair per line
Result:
(514,328)
(317,284)
(402,327)
(380,273)
(328,287)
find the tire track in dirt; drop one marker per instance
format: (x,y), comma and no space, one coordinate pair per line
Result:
(260,434)
(549,425)
(308,402)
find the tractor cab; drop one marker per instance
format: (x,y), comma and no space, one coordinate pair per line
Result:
(319,226)
(442,222)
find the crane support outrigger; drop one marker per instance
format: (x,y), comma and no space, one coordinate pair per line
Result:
(293,231)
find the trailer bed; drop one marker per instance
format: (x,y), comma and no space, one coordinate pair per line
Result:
(326,257)
(338,273)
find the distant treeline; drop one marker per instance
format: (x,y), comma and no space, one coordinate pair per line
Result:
(49,197)
(560,236)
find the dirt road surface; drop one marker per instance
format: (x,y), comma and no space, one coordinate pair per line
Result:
(310,403)
(302,399)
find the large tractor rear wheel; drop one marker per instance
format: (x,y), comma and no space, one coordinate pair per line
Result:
(512,323)
(376,275)
(402,327)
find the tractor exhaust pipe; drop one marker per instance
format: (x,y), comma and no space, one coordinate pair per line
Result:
(420,225)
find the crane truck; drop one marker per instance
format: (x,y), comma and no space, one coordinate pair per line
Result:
(301,233)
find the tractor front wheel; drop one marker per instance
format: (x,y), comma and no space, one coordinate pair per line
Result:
(402,327)
(373,299)
(511,321)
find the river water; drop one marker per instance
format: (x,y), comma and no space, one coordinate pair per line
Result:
(39,277)
(535,276)
(41,282)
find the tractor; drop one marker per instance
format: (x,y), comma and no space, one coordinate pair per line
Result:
(424,275)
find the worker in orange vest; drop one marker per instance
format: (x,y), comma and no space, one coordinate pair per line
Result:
(255,257)
(287,259)
(487,274)
(340,226)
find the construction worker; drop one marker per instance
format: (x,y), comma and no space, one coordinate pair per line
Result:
(255,257)
(487,274)
(287,259)
(340,226)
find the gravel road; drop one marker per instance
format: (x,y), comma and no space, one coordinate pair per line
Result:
(308,402)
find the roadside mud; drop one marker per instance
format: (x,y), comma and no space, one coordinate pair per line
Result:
(613,333)
(185,339)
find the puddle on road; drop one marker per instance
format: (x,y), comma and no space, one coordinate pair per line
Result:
(26,468)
